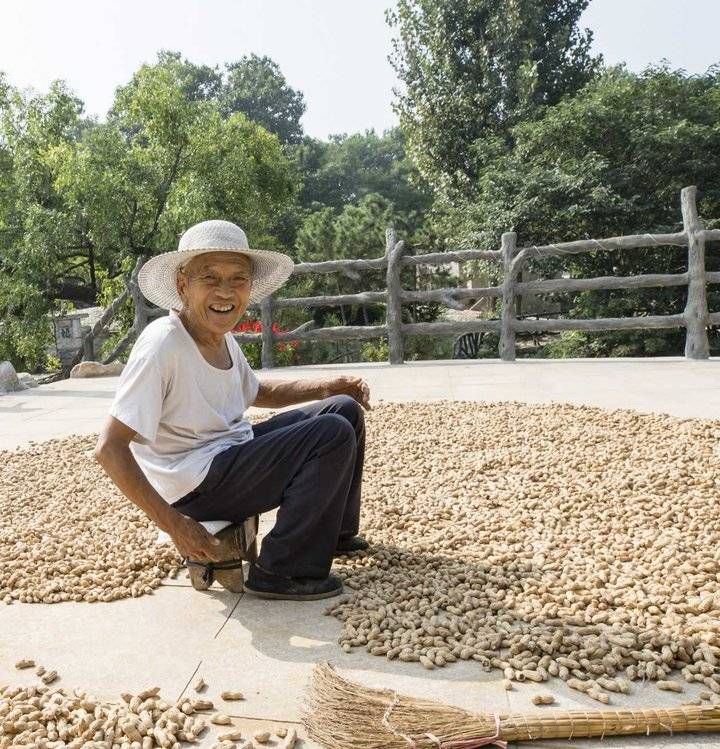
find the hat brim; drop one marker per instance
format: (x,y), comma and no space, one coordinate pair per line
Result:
(157,276)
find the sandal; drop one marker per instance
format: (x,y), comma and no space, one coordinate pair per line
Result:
(265,584)
(238,543)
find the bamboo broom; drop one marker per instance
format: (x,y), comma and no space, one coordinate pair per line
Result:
(339,714)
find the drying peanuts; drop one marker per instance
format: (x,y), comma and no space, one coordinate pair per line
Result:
(262,737)
(596,694)
(539,540)
(234,736)
(51,560)
(536,540)
(670,686)
(232,696)
(220,719)
(542,699)
(202,704)
(25,664)
(56,717)
(200,685)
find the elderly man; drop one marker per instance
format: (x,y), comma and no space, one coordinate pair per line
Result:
(177,444)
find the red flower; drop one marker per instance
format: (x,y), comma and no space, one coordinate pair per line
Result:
(255,326)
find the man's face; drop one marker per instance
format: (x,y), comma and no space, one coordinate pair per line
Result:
(215,289)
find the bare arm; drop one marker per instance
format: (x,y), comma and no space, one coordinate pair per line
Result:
(279,393)
(113,453)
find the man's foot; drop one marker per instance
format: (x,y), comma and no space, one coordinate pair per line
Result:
(350,543)
(235,545)
(200,577)
(232,546)
(266,585)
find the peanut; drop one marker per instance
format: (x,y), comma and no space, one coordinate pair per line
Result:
(542,699)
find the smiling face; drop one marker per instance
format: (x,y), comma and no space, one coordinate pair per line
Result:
(215,290)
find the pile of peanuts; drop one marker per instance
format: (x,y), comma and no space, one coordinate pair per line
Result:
(43,717)
(540,540)
(67,533)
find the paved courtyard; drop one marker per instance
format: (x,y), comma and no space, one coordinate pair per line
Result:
(267,649)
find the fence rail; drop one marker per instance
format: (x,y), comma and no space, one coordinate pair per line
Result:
(695,318)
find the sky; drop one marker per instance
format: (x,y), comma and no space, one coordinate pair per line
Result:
(334,51)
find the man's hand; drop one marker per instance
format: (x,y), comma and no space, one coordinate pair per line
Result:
(193,541)
(355,387)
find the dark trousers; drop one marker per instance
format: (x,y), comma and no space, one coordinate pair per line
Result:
(308,463)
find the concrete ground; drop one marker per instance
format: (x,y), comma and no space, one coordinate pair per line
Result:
(267,649)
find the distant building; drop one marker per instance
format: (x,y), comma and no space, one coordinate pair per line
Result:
(70,330)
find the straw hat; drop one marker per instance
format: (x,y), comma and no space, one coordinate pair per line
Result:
(156,279)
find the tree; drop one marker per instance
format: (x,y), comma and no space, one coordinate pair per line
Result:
(609,161)
(474,69)
(37,237)
(349,167)
(256,87)
(85,199)
(346,169)
(357,231)
(198,82)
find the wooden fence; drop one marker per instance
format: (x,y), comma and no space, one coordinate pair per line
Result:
(695,319)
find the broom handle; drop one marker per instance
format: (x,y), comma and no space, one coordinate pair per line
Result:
(579,723)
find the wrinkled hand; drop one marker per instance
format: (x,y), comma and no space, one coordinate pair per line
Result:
(193,541)
(355,387)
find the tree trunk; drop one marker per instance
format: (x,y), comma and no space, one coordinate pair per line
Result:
(91,265)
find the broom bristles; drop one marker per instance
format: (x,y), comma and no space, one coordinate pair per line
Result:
(339,714)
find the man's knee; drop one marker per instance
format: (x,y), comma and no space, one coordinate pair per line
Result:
(336,426)
(348,407)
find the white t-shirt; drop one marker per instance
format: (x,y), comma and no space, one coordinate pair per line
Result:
(184,410)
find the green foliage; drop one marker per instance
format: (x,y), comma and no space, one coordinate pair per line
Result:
(80,200)
(283,356)
(256,87)
(609,161)
(423,347)
(376,351)
(327,352)
(472,70)
(111,288)
(507,123)
(357,231)
(34,224)
(347,168)
(192,163)
(24,329)
(579,344)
